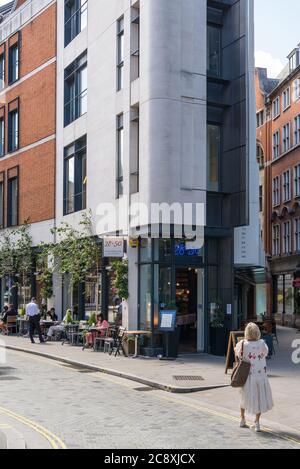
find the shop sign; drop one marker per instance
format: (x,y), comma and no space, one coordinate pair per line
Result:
(113,247)
(134,243)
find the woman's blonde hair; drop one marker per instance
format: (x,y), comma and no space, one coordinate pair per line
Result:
(252,332)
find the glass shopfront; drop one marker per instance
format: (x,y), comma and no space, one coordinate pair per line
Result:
(171,276)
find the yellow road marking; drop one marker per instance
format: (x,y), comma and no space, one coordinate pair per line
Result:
(54,440)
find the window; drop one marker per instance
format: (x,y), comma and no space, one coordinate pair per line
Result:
(12,202)
(297,234)
(296,86)
(260,198)
(2,71)
(2,136)
(213,155)
(297,181)
(120,54)
(13,130)
(276,240)
(286,98)
(135,43)
(13,64)
(120,155)
(260,119)
(76,89)
(276,145)
(260,156)
(75,176)
(214,51)
(297,130)
(135,150)
(294,61)
(286,186)
(276,108)
(286,140)
(75,18)
(276,191)
(287,237)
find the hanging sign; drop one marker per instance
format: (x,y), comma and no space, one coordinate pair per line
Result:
(113,247)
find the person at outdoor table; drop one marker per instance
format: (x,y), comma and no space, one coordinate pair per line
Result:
(52,314)
(6,312)
(103,325)
(33,313)
(58,328)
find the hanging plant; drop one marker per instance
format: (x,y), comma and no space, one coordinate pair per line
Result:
(120,283)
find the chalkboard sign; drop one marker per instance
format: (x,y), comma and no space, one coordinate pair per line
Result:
(234,339)
(167,322)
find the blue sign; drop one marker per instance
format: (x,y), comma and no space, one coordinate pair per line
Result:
(181,250)
(167,321)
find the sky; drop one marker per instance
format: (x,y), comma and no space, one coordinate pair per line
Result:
(277,32)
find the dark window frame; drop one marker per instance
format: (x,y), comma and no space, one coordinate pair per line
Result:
(10,147)
(72,19)
(77,151)
(10,180)
(3,72)
(120,157)
(2,190)
(12,66)
(120,53)
(72,92)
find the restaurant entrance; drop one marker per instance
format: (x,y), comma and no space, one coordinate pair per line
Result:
(189,305)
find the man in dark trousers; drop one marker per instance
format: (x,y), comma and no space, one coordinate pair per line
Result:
(32,311)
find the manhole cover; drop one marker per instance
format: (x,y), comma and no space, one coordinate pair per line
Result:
(188,378)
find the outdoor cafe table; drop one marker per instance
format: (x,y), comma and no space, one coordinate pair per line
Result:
(136,335)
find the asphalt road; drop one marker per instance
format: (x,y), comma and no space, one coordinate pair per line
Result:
(75,408)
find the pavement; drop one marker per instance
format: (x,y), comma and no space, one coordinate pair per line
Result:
(203,383)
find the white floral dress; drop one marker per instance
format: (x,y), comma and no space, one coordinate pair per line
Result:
(256,395)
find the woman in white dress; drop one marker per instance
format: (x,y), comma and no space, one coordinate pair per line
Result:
(256,395)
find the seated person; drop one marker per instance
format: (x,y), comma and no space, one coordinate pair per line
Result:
(59,328)
(8,311)
(101,324)
(52,314)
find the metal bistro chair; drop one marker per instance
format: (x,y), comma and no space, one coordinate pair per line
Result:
(70,330)
(11,324)
(99,342)
(118,342)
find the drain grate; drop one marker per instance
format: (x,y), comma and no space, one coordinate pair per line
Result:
(188,378)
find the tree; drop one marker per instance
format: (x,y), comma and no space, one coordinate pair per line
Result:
(76,252)
(120,282)
(16,255)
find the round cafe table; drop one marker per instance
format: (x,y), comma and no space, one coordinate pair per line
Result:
(136,335)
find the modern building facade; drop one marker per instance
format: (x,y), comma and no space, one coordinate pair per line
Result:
(27,126)
(153,106)
(278,121)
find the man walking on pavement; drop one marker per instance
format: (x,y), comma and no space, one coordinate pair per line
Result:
(32,311)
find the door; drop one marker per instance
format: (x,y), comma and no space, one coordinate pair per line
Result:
(187,309)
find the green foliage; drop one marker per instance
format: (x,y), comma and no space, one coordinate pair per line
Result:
(92,319)
(76,251)
(120,283)
(16,252)
(46,279)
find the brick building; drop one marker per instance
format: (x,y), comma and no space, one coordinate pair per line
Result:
(278,152)
(27,119)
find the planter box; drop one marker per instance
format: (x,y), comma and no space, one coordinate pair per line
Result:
(129,347)
(218,341)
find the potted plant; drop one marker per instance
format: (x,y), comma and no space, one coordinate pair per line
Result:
(129,345)
(217,330)
(69,319)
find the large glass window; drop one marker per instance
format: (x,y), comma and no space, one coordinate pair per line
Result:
(76,89)
(13,130)
(214,51)
(120,155)
(120,54)
(75,18)
(75,177)
(213,157)
(12,202)
(145,296)
(1,204)
(13,66)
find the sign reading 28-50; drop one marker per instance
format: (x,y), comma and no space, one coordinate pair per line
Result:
(113,247)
